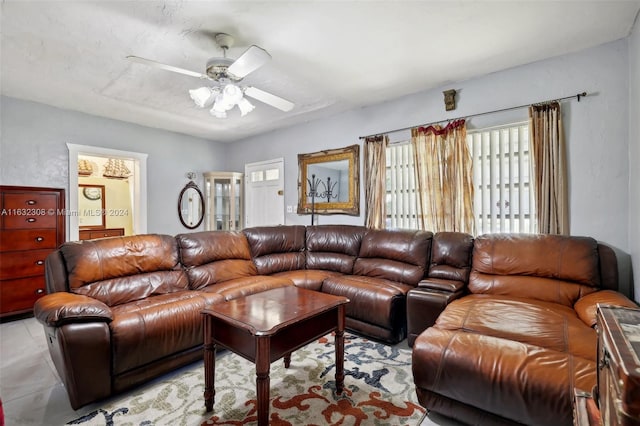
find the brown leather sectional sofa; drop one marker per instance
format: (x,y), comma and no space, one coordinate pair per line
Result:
(501,326)
(121,311)
(516,335)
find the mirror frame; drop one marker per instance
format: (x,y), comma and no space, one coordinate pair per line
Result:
(82,187)
(350,207)
(191,185)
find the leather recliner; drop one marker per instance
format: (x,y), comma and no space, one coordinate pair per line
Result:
(512,349)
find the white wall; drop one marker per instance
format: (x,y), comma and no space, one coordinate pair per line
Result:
(634,155)
(33,152)
(596,129)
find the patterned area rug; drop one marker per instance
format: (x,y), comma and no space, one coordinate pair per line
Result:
(379,390)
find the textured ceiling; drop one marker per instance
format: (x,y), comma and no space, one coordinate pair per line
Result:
(328,57)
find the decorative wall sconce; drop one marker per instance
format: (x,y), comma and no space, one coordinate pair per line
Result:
(449,99)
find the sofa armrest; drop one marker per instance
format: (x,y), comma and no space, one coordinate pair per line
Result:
(440,284)
(586,306)
(424,305)
(61,308)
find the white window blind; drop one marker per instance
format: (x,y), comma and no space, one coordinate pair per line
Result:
(401,205)
(501,174)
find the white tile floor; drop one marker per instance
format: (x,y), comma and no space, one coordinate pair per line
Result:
(31,390)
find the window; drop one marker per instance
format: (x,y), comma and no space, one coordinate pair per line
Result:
(503,199)
(402,207)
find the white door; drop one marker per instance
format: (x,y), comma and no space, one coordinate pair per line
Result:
(264,193)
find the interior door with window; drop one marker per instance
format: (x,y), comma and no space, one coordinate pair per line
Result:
(264,193)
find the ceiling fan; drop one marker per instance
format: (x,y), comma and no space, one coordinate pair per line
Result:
(225,73)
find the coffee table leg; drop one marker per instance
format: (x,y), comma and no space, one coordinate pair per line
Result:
(263,349)
(209,363)
(287,360)
(340,351)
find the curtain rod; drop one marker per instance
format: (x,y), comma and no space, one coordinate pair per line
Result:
(578,96)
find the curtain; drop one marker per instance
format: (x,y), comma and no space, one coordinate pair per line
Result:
(375,155)
(444,177)
(549,168)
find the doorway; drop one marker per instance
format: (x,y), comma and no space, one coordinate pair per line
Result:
(135,162)
(264,193)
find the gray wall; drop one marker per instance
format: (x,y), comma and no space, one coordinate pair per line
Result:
(33,152)
(634,155)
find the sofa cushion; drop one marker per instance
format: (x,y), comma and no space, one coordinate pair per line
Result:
(240,287)
(533,322)
(552,268)
(276,248)
(525,383)
(395,255)
(451,256)
(333,247)
(120,270)
(156,327)
(373,300)
(311,279)
(215,256)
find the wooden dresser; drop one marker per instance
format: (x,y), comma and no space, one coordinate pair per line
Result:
(91,234)
(32,224)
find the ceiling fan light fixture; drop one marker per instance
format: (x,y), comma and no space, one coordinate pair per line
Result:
(232,94)
(245,107)
(203,96)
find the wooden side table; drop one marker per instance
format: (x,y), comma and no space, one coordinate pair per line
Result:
(267,326)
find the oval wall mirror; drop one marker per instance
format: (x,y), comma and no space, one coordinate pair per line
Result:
(191,206)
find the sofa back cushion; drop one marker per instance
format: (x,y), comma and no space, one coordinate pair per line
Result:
(276,248)
(211,257)
(395,255)
(124,269)
(551,268)
(451,256)
(333,247)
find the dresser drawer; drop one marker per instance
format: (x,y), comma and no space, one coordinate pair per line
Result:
(18,264)
(31,219)
(27,239)
(91,234)
(22,210)
(25,200)
(19,295)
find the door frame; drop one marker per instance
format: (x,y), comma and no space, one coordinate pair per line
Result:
(139,190)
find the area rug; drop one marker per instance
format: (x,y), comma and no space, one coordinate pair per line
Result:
(378,390)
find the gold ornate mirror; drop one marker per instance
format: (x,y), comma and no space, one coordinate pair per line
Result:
(329,182)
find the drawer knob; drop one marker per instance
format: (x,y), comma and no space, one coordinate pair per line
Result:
(39,239)
(39,262)
(31,219)
(31,202)
(40,291)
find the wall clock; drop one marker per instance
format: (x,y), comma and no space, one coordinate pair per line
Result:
(92,193)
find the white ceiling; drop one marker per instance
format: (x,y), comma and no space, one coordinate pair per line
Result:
(328,56)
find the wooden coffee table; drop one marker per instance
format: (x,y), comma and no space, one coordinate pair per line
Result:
(267,326)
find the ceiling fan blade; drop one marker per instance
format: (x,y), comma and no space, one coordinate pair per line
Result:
(252,59)
(269,99)
(166,67)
